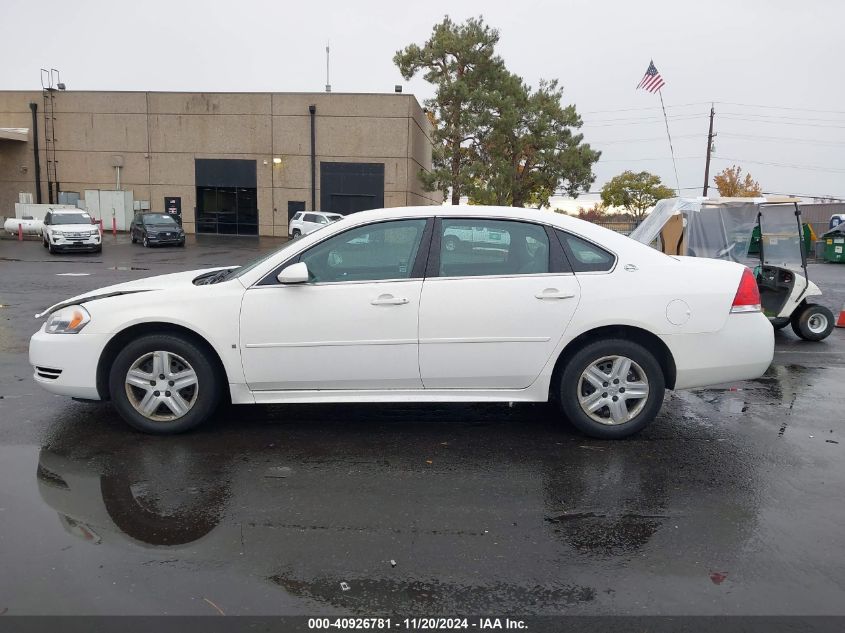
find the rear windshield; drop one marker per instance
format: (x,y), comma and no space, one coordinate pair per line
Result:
(71,218)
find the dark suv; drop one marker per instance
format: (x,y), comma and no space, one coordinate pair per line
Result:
(153,229)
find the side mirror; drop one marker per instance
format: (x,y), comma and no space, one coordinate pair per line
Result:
(294,274)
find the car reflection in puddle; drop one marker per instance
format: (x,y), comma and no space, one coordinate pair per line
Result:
(516,514)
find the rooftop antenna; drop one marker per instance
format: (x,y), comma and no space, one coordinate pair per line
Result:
(328,83)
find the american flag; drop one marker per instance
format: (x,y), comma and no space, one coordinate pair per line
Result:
(651,81)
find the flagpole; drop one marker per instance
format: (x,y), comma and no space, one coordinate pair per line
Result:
(671,149)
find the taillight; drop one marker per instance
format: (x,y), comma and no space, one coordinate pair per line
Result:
(747,297)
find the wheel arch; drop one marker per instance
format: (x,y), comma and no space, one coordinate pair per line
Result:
(120,339)
(645,338)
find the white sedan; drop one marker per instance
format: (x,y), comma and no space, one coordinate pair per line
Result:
(375,308)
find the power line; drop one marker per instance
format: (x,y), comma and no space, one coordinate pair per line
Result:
(789,165)
(781,116)
(606,123)
(781,139)
(736,118)
(638,140)
(669,107)
(771,107)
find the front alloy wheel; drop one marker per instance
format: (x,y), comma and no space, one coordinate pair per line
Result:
(611,388)
(165,383)
(161,386)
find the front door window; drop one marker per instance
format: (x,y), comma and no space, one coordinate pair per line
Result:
(386,250)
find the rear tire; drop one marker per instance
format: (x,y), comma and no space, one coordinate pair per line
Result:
(295,233)
(813,322)
(164,408)
(598,384)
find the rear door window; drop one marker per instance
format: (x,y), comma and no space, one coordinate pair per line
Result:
(585,256)
(481,247)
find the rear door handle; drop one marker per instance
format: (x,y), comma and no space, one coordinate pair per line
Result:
(554,293)
(389,300)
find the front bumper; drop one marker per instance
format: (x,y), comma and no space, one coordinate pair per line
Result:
(66,364)
(158,240)
(742,350)
(90,244)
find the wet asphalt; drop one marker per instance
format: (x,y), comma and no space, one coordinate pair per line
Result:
(732,502)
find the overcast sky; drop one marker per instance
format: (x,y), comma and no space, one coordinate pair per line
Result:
(784,55)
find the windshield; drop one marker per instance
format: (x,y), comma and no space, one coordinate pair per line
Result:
(237,272)
(158,218)
(780,236)
(71,218)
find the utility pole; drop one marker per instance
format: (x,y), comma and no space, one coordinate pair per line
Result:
(710,136)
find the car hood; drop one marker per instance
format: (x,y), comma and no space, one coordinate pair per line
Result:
(163,227)
(74,227)
(148,284)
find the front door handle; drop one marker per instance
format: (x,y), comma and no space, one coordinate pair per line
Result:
(554,293)
(389,300)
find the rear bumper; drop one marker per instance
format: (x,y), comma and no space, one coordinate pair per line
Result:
(66,364)
(742,350)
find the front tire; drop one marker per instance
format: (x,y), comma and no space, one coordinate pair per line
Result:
(133,238)
(813,322)
(296,233)
(146,242)
(50,248)
(164,384)
(611,389)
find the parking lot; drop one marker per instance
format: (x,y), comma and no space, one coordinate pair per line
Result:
(732,502)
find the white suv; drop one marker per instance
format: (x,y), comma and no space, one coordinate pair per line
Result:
(306,222)
(70,230)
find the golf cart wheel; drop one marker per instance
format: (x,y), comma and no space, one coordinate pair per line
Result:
(812,322)
(780,322)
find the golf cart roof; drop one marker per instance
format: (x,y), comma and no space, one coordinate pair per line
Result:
(718,228)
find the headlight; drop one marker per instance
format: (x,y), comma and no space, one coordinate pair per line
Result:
(58,234)
(68,320)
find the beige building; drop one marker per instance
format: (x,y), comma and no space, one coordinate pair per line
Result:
(233,163)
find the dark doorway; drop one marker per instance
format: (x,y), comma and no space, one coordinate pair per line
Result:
(294,207)
(227,197)
(351,187)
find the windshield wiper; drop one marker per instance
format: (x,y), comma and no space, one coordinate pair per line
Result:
(221,275)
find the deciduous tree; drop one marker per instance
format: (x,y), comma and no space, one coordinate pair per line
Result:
(635,192)
(731,183)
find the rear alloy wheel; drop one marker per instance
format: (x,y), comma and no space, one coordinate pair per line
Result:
(612,389)
(164,383)
(812,322)
(296,233)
